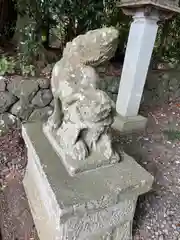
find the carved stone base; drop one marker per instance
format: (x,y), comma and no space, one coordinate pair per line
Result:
(129,124)
(93,205)
(75,166)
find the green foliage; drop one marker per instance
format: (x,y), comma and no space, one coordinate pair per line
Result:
(167,47)
(113,16)
(27,70)
(70,18)
(7,65)
(10,65)
(80,16)
(172,135)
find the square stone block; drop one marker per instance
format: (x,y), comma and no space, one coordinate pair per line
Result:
(75,166)
(93,205)
(129,124)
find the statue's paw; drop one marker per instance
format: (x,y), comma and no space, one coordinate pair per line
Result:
(111,154)
(115,157)
(80,150)
(52,124)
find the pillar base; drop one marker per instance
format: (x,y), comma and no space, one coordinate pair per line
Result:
(129,124)
(98,204)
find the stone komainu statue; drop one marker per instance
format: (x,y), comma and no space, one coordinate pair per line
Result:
(83,114)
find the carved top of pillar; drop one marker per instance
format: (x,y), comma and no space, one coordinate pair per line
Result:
(167,5)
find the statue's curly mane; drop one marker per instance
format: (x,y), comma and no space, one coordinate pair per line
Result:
(95,106)
(94,47)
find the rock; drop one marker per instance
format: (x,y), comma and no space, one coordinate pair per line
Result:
(162,89)
(102,84)
(47,70)
(174,84)
(22,110)
(109,84)
(176,95)
(7,121)
(2,84)
(23,89)
(43,82)
(147,97)
(153,79)
(42,98)
(165,76)
(41,114)
(6,101)
(113,84)
(101,69)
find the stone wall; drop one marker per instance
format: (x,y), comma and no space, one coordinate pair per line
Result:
(24,99)
(161,86)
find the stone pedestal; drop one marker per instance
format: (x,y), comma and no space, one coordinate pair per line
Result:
(139,49)
(92,205)
(129,124)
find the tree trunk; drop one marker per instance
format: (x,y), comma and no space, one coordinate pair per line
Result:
(8,18)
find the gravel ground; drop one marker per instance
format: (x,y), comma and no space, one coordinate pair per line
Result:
(16,222)
(158,212)
(12,155)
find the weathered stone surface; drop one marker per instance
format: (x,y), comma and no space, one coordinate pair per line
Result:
(161,86)
(101,69)
(176,95)
(6,100)
(174,83)
(52,103)
(22,110)
(64,207)
(42,98)
(7,120)
(2,84)
(24,89)
(83,114)
(41,114)
(114,86)
(47,70)
(129,124)
(114,97)
(43,82)
(152,80)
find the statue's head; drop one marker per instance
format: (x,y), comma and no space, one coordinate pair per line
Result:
(94,47)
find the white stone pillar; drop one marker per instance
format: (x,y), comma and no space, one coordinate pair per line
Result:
(139,49)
